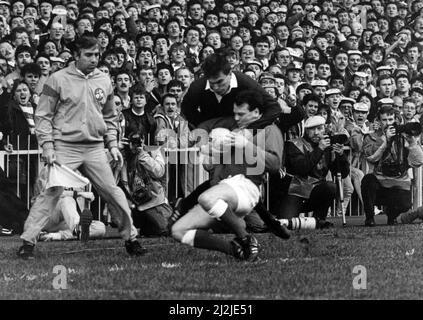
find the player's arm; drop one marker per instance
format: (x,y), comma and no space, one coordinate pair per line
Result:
(190,103)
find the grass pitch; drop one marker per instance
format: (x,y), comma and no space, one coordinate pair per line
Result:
(316,264)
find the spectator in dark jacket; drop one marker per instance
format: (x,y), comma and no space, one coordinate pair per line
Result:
(21,132)
(137,119)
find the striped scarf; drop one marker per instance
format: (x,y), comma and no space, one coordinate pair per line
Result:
(28,112)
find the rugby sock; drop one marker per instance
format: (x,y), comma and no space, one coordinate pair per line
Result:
(222,211)
(234,223)
(205,240)
(271,222)
(192,199)
(264,214)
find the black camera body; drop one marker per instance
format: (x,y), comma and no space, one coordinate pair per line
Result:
(412,128)
(340,138)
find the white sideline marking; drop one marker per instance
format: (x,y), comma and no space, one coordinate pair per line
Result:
(205,295)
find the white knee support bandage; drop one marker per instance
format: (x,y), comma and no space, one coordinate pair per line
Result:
(188,237)
(218,209)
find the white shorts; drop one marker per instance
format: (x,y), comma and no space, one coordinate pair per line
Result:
(247,192)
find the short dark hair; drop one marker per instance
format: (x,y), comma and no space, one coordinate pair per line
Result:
(162,66)
(23,48)
(42,55)
(214,64)
(385,110)
(138,89)
(169,21)
(384,77)
(324,106)
(15,32)
(124,71)
(33,68)
(408,99)
(16,83)
(311,97)
(194,28)
(253,98)
(99,23)
(307,61)
(175,83)
(157,37)
(143,49)
(413,44)
(262,39)
(168,95)
(86,41)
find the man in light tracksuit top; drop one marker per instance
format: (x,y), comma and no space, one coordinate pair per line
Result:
(75,118)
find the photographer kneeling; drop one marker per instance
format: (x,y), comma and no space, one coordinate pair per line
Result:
(146,182)
(308,160)
(392,149)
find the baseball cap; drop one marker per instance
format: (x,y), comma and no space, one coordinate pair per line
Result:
(383,68)
(297,28)
(282,8)
(266,75)
(332,91)
(56,59)
(401,72)
(314,121)
(293,66)
(28,16)
(351,52)
(59,10)
(361,106)
(360,74)
(153,6)
(295,54)
(347,100)
(256,62)
(386,101)
(319,83)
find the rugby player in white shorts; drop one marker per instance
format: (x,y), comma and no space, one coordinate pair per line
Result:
(235,184)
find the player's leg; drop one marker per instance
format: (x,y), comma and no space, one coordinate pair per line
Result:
(191,230)
(183,205)
(220,202)
(98,170)
(46,202)
(370,187)
(230,201)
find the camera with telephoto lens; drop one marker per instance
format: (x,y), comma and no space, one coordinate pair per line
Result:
(338,138)
(412,128)
(136,140)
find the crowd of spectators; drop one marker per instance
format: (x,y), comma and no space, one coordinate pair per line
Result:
(357,64)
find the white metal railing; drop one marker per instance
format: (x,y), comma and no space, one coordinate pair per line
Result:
(178,158)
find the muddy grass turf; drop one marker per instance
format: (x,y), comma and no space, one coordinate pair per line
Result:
(314,264)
